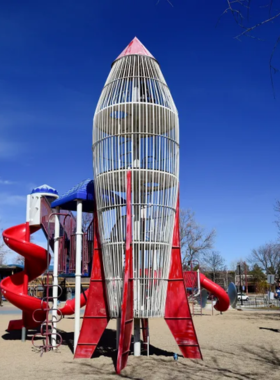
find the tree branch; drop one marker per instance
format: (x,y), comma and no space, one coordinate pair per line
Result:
(248,30)
(273,70)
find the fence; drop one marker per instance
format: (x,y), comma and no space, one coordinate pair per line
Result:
(259,302)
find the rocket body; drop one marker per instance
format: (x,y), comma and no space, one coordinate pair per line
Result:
(136,128)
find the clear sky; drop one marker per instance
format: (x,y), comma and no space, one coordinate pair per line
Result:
(55,57)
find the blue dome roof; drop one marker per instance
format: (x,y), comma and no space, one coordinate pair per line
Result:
(44,189)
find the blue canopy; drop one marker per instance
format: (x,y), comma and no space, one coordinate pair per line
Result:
(21,266)
(84,191)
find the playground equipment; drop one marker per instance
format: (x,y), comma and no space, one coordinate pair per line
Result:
(134,245)
(36,311)
(198,286)
(232,293)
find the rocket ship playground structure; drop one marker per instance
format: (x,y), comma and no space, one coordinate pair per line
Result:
(131,250)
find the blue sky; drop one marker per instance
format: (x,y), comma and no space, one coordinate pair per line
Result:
(55,58)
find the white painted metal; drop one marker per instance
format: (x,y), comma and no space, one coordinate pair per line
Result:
(79,237)
(33,208)
(137,337)
(136,128)
(55,276)
(198,282)
(28,201)
(33,204)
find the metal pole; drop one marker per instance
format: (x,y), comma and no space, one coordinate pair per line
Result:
(23,334)
(198,281)
(55,276)
(118,323)
(227,279)
(246,278)
(79,236)
(25,277)
(137,339)
(199,289)
(239,269)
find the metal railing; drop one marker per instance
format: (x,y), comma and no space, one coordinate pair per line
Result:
(255,302)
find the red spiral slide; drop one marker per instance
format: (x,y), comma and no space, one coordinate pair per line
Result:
(15,287)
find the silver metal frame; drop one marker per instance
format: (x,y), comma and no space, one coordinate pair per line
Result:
(136,127)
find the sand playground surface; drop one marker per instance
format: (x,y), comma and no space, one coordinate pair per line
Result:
(235,345)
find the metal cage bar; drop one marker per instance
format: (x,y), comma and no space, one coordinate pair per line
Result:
(136,128)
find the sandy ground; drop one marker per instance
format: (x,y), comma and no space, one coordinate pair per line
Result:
(235,345)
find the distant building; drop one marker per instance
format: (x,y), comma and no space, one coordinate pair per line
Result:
(247,282)
(8,270)
(224,278)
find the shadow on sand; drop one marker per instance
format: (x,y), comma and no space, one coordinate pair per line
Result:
(267,328)
(16,335)
(107,345)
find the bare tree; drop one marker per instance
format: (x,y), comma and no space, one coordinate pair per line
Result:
(3,250)
(244,13)
(277,209)
(195,241)
(19,260)
(214,262)
(267,257)
(87,219)
(233,266)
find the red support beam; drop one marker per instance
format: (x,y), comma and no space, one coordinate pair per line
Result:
(145,329)
(127,297)
(96,315)
(177,311)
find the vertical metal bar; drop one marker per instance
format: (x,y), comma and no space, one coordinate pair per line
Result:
(25,276)
(55,276)
(137,337)
(79,235)
(23,334)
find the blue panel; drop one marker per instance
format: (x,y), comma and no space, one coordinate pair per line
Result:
(84,191)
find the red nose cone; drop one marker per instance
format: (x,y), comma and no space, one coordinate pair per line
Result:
(135,47)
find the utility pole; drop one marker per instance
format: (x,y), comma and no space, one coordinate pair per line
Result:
(240,286)
(246,278)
